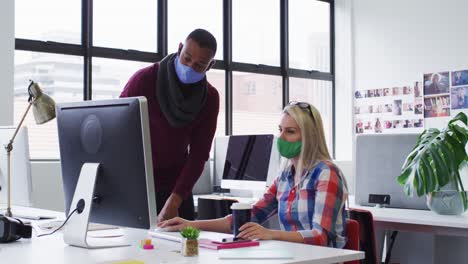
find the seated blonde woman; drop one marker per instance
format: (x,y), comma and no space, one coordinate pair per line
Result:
(308,196)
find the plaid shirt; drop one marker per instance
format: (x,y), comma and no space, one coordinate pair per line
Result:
(314,207)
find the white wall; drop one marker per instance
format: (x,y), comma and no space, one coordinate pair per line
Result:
(344,91)
(343,80)
(399,40)
(394,42)
(7,46)
(47,185)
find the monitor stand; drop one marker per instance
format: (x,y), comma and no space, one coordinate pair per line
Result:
(76,230)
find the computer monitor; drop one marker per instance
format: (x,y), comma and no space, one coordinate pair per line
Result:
(21,182)
(106,160)
(250,162)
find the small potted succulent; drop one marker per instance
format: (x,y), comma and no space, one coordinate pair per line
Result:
(436,165)
(189,241)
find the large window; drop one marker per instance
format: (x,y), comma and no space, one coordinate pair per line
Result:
(269,52)
(319,94)
(309,35)
(61,77)
(110,76)
(256,103)
(125,24)
(187,15)
(216,78)
(256,31)
(38,20)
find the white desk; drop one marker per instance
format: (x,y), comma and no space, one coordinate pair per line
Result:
(52,250)
(417,220)
(409,220)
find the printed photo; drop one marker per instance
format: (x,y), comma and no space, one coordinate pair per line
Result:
(437,106)
(407,124)
(357,94)
(388,124)
(357,110)
(378,126)
(436,83)
(407,90)
(408,107)
(386,92)
(378,92)
(459,96)
(460,78)
(397,124)
(388,108)
(418,122)
(417,89)
(359,127)
(418,106)
(397,107)
(379,108)
(396,91)
(368,125)
(370,93)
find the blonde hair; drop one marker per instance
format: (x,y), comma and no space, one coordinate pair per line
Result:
(314,147)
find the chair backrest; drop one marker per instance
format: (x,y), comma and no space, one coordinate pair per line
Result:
(352,234)
(366,234)
(204,184)
(213,208)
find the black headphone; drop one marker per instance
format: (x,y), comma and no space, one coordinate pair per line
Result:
(12,229)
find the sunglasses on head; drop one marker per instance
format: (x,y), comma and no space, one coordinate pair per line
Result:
(304,106)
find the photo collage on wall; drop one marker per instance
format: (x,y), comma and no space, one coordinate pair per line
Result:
(436,94)
(389,110)
(459,90)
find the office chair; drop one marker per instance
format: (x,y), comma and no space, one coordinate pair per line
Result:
(214,208)
(352,234)
(366,234)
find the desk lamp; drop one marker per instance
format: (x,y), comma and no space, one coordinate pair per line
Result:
(44,111)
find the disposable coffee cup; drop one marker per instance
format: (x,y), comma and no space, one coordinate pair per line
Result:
(240,215)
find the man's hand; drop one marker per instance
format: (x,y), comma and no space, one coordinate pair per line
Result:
(253,230)
(174,224)
(171,208)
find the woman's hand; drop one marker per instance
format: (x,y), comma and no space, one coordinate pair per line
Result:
(253,230)
(174,224)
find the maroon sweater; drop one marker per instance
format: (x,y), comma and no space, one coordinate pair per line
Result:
(176,167)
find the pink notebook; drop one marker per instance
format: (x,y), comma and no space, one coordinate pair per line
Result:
(206,243)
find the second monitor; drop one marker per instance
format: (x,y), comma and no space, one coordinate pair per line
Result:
(251,162)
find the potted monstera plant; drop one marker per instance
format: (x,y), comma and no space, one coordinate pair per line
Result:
(436,165)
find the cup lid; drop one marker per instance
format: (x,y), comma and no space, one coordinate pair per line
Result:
(241,206)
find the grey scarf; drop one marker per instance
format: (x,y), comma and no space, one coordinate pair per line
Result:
(179,103)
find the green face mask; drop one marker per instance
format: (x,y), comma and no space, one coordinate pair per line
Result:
(289,149)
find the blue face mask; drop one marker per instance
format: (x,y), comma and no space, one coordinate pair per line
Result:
(186,74)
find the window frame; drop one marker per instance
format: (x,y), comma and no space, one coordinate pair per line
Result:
(87,51)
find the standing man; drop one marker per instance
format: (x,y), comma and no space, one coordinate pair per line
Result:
(183,109)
